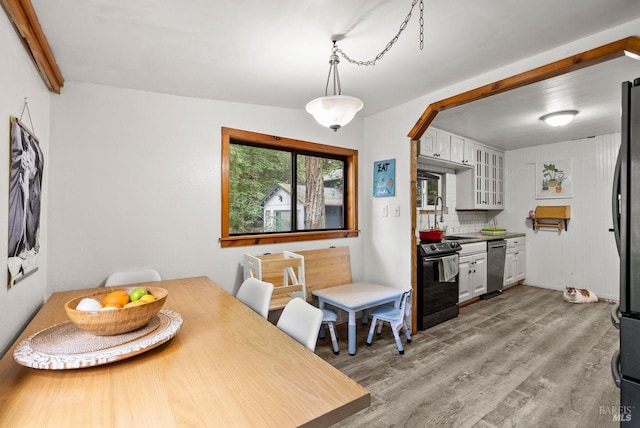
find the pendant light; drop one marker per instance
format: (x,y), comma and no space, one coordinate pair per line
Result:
(337,110)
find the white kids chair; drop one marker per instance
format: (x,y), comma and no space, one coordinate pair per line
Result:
(395,317)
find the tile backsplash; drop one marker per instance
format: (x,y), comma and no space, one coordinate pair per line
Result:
(456,222)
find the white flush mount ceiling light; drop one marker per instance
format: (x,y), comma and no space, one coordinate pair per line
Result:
(559,118)
(337,110)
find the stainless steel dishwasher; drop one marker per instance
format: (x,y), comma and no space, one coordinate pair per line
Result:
(496,251)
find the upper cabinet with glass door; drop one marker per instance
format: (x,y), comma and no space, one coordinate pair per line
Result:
(482,188)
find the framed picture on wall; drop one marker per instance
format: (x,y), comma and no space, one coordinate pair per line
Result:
(25,186)
(554,179)
(384,178)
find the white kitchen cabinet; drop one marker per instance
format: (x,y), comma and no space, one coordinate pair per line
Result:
(462,151)
(427,143)
(482,187)
(520,260)
(457,149)
(496,179)
(472,275)
(435,144)
(509,267)
(515,268)
(469,151)
(445,149)
(443,146)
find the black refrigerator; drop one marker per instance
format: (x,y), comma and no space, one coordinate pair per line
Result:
(625,365)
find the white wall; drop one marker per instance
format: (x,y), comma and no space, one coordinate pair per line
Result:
(19,79)
(135,182)
(585,255)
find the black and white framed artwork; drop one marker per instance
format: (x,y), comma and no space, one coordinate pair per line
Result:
(25,192)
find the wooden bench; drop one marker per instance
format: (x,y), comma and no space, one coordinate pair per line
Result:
(323,268)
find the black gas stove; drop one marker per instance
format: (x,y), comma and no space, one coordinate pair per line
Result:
(438,248)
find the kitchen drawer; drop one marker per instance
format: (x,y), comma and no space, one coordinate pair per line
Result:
(516,242)
(473,248)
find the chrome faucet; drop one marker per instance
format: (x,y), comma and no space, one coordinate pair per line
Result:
(435,212)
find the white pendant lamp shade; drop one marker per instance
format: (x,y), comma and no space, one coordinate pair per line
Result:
(334,111)
(337,110)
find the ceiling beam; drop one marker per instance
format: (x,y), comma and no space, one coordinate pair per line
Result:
(24,18)
(557,68)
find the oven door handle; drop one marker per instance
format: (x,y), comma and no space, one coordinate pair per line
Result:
(431,258)
(435,258)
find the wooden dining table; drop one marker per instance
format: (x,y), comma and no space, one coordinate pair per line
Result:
(226,366)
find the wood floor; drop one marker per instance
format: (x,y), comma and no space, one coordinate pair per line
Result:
(523,359)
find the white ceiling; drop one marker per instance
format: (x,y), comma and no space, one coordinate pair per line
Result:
(275,52)
(511,120)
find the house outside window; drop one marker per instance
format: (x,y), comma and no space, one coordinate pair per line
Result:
(429,187)
(278,190)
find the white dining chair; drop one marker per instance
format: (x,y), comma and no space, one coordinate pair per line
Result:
(132,277)
(256,294)
(395,317)
(301,321)
(329,319)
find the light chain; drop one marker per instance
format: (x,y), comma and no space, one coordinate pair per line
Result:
(393,40)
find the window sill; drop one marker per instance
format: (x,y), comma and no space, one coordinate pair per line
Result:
(430,210)
(239,241)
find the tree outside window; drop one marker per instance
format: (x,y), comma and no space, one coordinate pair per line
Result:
(428,189)
(283,191)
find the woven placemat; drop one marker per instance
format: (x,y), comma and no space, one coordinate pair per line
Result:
(67,339)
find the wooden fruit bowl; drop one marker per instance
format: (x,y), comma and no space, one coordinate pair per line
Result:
(118,321)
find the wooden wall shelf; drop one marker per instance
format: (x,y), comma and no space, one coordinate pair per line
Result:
(555,217)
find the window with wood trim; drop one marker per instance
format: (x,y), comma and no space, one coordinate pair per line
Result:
(278,189)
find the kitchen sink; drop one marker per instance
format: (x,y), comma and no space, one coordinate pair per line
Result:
(459,238)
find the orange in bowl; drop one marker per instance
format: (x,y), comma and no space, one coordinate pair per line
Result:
(119,321)
(117,298)
(112,305)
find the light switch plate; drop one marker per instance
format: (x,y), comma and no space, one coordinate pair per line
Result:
(396,212)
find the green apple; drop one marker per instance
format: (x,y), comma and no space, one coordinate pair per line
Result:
(137,293)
